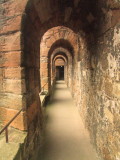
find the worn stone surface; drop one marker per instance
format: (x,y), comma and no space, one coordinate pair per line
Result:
(15,145)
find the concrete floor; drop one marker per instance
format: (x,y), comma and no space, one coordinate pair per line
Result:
(65,135)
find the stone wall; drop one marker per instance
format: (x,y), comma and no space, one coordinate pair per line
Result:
(12,74)
(98,90)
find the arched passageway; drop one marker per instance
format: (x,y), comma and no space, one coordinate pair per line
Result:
(54,40)
(86,33)
(69,59)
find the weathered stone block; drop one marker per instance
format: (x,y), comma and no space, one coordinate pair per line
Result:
(44,66)
(116,90)
(10,42)
(12,25)
(32,111)
(109,88)
(10,59)
(8,114)
(14,86)
(14,7)
(14,73)
(12,101)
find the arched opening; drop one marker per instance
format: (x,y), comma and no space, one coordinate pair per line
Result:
(59,47)
(59,65)
(65,53)
(57,37)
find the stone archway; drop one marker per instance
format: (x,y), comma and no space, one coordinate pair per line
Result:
(70,59)
(96,76)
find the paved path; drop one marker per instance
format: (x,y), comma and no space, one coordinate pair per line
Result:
(65,135)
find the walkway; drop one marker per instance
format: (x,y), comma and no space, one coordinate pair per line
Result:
(65,135)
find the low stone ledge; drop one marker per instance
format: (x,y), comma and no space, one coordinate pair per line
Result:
(13,149)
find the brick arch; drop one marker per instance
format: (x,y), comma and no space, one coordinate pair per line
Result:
(70,64)
(62,57)
(59,62)
(61,34)
(62,51)
(55,38)
(68,56)
(45,58)
(57,55)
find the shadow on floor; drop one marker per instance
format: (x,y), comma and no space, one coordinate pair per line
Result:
(60,89)
(54,101)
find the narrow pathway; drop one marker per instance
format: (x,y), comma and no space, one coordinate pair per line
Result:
(65,135)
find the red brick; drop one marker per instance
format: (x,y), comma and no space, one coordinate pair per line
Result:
(11,25)
(14,7)
(59,62)
(8,114)
(10,42)
(10,59)
(14,73)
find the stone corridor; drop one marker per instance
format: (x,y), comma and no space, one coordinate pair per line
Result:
(77,41)
(65,135)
